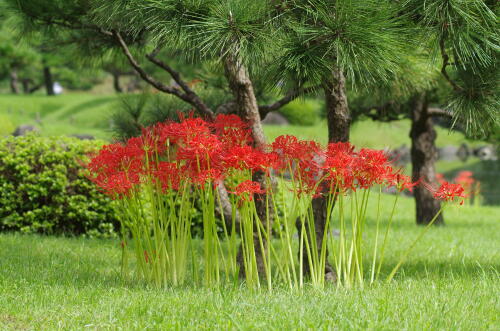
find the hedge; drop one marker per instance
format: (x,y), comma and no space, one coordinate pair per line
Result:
(43,188)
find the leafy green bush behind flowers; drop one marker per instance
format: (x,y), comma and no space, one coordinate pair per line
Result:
(43,188)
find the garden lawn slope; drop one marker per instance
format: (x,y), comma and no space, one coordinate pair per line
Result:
(58,115)
(90,114)
(450,282)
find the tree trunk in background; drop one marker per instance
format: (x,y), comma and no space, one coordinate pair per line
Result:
(26,85)
(49,82)
(339,122)
(248,109)
(423,157)
(116,82)
(13,82)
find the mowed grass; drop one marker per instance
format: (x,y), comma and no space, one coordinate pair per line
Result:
(450,282)
(59,115)
(79,113)
(370,134)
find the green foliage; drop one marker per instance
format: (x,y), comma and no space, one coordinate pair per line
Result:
(464,35)
(138,111)
(302,111)
(364,39)
(43,188)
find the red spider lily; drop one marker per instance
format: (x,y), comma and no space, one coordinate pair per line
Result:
(291,148)
(116,169)
(245,190)
(117,185)
(447,192)
(183,131)
(241,158)
(168,175)
(116,157)
(338,165)
(400,181)
(465,178)
(232,130)
(440,178)
(369,167)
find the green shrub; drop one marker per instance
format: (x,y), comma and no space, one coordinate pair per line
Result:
(302,111)
(43,188)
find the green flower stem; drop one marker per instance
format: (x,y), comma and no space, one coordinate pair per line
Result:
(407,252)
(375,249)
(386,235)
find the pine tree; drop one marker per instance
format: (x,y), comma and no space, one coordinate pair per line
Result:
(337,45)
(454,54)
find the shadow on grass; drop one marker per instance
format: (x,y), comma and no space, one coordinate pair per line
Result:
(465,270)
(83,263)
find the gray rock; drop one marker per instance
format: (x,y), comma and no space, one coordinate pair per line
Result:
(275,118)
(486,153)
(83,136)
(448,153)
(400,156)
(463,152)
(23,129)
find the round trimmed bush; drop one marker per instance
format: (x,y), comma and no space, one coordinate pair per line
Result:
(302,111)
(43,188)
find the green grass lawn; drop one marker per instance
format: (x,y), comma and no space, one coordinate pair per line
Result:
(370,134)
(58,115)
(450,282)
(79,113)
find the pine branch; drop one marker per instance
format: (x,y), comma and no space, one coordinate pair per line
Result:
(294,94)
(439,112)
(195,99)
(192,99)
(446,63)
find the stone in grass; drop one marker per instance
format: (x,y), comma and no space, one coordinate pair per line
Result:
(83,136)
(275,118)
(23,129)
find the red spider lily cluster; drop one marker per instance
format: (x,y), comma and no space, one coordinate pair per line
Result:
(159,175)
(198,152)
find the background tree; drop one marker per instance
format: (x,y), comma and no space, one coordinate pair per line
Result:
(339,45)
(452,72)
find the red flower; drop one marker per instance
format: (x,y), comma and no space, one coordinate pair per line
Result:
(339,165)
(369,167)
(400,181)
(240,157)
(232,130)
(465,178)
(300,157)
(440,178)
(116,169)
(117,185)
(168,176)
(247,189)
(183,131)
(448,192)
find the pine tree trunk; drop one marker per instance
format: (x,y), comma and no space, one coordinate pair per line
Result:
(116,82)
(13,82)
(338,117)
(49,82)
(26,85)
(339,121)
(248,109)
(423,157)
